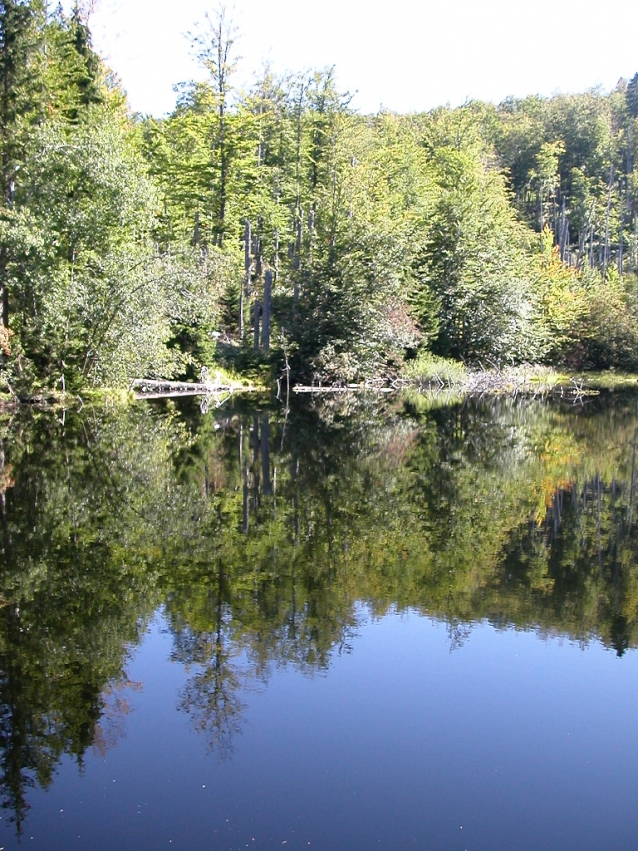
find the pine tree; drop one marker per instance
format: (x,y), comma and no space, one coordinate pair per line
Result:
(21,29)
(631,96)
(74,69)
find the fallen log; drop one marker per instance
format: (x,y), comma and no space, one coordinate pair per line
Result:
(340,388)
(151,388)
(151,385)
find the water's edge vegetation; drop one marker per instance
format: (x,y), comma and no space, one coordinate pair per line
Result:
(276,231)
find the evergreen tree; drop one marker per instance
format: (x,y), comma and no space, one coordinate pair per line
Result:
(631,96)
(75,77)
(21,28)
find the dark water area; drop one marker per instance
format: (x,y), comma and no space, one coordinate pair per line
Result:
(358,623)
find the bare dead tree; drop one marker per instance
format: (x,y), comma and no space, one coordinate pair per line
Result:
(213,45)
(265,324)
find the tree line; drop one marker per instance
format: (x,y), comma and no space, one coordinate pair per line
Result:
(274,222)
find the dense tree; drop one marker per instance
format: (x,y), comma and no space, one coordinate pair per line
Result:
(74,74)
(89,292)
(142,246)
(21,29)
(475,291)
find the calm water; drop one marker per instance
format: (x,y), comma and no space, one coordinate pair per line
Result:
(359,624)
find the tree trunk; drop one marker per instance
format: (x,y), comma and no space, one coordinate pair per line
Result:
(583,238)
(265,324)
(6,193)
(247,260)
(298,214)
(297,260)
(564,231)
(3,504)
(223,165)
(196,230)
(607,214)
(256,317)
(3,287)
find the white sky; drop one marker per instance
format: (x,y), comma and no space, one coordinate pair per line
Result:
(406,55)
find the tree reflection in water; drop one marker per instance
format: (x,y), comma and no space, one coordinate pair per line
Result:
(265,533)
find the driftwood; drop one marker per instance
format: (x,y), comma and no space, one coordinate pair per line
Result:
(340,388)
(513,382)
(525,381)
(149,388)
(521,381)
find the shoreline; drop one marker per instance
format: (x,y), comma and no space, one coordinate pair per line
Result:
(518,381)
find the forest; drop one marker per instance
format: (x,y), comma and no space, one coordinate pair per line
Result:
(276,225)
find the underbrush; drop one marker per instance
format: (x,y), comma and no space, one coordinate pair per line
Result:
(429,367)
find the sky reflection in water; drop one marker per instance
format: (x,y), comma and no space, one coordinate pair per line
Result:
(509,741)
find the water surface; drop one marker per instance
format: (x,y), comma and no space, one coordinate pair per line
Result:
(355,624)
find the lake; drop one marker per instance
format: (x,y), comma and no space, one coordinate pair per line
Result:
(358,623)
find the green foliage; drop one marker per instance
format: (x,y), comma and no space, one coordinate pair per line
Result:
(196,284)
(428,367)
(21,25)
(73,75)
(123,248)
(89,293)
(608,333)
(587,322)
(570,160)
(474,294)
